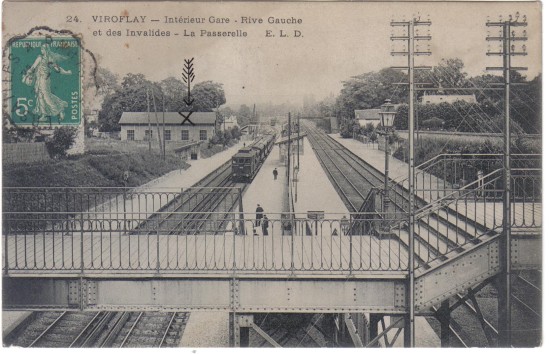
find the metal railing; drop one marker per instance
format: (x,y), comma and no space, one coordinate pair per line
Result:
(82,230)
(445,173)
(190,242)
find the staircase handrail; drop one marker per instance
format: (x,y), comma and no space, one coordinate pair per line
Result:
(440,203)
(399,180)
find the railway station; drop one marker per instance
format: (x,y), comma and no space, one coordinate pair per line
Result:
(404,212)
(89,260)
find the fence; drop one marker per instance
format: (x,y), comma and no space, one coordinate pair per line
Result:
(24,153)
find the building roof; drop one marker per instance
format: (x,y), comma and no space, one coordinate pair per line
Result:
(367,114)
(448,98)
(173,118)
(284,139)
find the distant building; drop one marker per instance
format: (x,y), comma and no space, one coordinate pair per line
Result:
(135,126)
(365,116)
(229,123)
(433,99)
(334,125)
(91,115)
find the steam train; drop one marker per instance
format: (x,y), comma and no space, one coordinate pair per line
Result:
(247,161)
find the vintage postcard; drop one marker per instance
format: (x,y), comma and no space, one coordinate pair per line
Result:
(271,174)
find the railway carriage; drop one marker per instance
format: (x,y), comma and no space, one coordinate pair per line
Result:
(247,161)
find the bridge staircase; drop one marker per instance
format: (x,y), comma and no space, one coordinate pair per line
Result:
(458,226)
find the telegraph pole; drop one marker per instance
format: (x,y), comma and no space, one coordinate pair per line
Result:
(507,38)
(298,116)
(289,148)
(149,120)
(410,37)
(163,128)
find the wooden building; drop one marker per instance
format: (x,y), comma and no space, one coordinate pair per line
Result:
(200,126)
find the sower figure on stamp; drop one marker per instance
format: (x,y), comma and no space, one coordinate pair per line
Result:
(275,173)
(38,75)
(265,226)
(258,215)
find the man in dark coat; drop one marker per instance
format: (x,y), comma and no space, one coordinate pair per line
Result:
(258,215)
(275,173)
(265,226)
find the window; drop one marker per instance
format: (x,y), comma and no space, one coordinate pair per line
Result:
(148,134)
(184,135)
(167,135)
(203,135)
(130,135)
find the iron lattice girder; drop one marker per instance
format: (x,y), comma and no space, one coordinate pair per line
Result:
(205,294)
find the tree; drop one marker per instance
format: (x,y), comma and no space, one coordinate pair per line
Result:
(347,128)
(208,95)
(235,132)
(106,81)
(126,99)
(244,115)
(448,73)
(525,104)
(370,90)
(174,91)
(61,141)
(133,80)
(433,123)
(131,96)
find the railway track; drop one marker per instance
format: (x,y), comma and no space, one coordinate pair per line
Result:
(101,329)
(353,178)
(190,212)
(147,330)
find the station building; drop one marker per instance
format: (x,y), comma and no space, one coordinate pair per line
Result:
(201,126)
(365,116)
(229,123)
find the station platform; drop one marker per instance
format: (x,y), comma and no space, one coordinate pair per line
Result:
(315,192)
(266,191)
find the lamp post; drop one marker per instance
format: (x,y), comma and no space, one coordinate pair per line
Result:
(387,118)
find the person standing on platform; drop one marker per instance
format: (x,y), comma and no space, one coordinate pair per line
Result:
(258,215)
(265,226)
(275,173)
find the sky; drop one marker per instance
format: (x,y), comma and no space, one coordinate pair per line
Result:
(338,41)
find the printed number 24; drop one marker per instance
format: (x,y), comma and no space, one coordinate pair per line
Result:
(23,106)
(72,19)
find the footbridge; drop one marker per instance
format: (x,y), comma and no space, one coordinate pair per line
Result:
(79,249)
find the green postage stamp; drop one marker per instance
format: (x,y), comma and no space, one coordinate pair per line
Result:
(45,81)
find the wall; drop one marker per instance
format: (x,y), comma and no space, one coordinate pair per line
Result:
(24,153)
(194,131)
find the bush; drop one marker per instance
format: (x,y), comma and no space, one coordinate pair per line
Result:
(235,132)
(347,128)
(61,141)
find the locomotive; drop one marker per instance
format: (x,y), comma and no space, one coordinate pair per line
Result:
(247,161)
